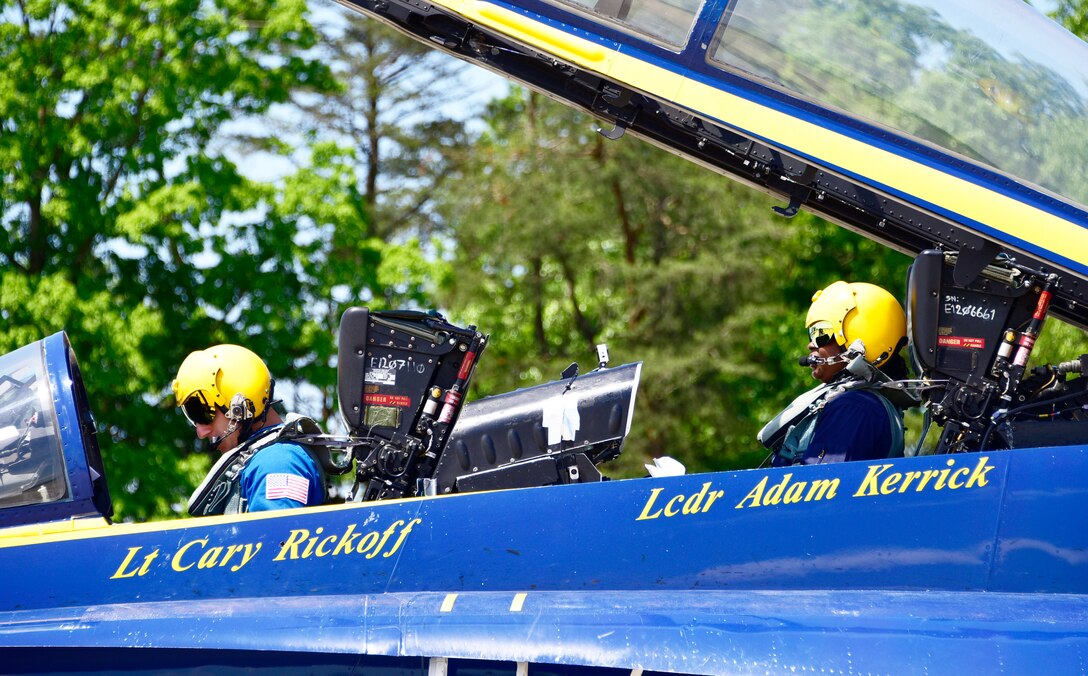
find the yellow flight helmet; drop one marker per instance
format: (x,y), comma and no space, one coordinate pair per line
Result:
(850,311)
(228,377)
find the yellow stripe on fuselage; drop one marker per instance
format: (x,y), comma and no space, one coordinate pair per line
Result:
(551,40)
(928,184)
(97,527)
(51,528)
(925,183)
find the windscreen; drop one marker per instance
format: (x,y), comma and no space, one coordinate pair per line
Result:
(994,81)
(668,21)
(32,467)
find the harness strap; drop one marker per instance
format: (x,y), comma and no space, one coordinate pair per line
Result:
(895,418)
(221,493)
(799,434)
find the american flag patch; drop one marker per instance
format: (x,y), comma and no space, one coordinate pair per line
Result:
(291,486)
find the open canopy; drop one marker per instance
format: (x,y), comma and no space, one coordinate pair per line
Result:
(953,125)
(994,82)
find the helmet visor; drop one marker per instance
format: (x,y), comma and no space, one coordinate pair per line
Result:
(197,410)
(821,333)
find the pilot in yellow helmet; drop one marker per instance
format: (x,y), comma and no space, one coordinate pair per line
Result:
(225,392)
(843,313)
(848,416)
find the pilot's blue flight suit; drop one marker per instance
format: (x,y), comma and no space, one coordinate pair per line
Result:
(854,425)
(281,475)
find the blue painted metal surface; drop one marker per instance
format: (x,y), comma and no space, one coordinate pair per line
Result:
(972,562)
(818,527)
(49,364)
(686,632)
(930,563)
(711,573)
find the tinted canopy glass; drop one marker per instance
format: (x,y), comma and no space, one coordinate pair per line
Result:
(31,461)
(668,21)
(993,81)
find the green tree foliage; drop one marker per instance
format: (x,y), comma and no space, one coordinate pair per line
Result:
(1073,14)
(566,240)
(130,223)
(122,223)
(386,130)
(393,109)
(127,224)
(327,257)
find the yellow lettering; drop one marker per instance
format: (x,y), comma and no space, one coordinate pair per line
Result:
(385,537)
(210,558)
(346,541)
(670,506)
(120,573)
(320,551)
(694,502)
(248,554)
(868,484)
(774,495)
(175,563)
(293,541)
(888,485)
(926,476)
(368,541)
(978,477)
(794,493)
(231,551)
(650,503)
(755,495)
(944,475)
(822,488)
(710,499)
(952,479)
(908,478)
(400,540)
(147,562)
(310,545)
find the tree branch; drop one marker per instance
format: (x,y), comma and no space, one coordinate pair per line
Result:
(581,322)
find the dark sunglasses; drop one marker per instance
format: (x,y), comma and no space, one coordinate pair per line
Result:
(197,409)
(821,335)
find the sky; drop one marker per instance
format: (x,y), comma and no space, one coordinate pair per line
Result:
(480,87)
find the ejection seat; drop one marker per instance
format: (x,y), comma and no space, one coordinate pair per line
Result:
(402,380)
(969,336)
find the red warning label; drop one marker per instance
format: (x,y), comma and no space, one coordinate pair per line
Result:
(959,341)
(387,400)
